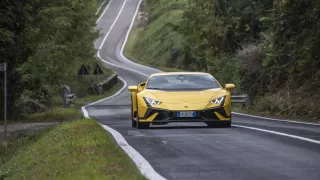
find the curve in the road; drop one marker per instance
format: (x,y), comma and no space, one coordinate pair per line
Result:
(143,165)
(196,152)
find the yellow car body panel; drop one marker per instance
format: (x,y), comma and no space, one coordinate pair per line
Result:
(166,104)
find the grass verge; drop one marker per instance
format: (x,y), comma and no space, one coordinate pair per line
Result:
(58,114)
(73,150)
(152,45)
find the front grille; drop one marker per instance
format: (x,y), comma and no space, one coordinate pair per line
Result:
(172,115)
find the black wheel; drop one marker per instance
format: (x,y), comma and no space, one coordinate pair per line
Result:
(226,124)
(133,122)
(143,125)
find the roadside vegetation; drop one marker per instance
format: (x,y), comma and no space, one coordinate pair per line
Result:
(45,43)
(74,150)
(268,48)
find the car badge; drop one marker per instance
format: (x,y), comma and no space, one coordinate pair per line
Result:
(186,106)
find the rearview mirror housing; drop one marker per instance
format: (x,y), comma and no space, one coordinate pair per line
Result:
(229,86)
(132,88)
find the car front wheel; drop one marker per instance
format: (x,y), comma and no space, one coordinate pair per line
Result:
(133,122)
(143,125)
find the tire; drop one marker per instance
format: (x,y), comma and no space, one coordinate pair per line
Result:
(226,124)
(136,123)
(133,122)
(143,125)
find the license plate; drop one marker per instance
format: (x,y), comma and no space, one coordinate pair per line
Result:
(187,114)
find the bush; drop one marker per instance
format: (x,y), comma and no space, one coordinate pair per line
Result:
(45,43)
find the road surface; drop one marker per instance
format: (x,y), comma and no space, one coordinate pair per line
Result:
(191,150)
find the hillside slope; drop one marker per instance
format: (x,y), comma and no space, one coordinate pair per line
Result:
(258,45)
(153,44)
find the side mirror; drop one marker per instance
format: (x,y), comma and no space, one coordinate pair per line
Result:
(142,84)
(229,86)
(133,88)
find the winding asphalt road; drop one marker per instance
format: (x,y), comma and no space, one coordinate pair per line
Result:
(269,150)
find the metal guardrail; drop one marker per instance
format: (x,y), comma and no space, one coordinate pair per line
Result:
(242,99)
(99,88)
(107,84)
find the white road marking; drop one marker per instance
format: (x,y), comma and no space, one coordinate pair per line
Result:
(126,39)
(106,36)
(135,133)
(83,108)
(109,112)
(101,6)
(279,133)
(143,165)
(105,10)
(165,142)
(260,117)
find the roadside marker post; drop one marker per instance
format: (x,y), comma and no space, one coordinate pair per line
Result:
(83,70)
(97,71)
(3,68)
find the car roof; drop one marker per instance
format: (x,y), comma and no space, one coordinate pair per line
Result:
(177,73)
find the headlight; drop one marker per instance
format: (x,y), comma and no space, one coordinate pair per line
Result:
(152,101)
(218,100)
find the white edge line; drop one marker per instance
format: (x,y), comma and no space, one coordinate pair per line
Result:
(105,10)
(143,165)
(117,93)
(127,37)
(83,108)
(101,6)
(106,36)
(279,133)
(260,117)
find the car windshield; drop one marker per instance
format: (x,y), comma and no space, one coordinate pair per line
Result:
(182,82)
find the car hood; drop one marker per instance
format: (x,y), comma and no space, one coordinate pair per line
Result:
(185,96)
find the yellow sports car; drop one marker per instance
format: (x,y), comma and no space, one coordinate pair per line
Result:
(180,97)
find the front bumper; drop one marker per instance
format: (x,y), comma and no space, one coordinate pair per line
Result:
(165,116)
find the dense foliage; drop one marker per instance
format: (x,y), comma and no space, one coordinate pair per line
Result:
(268,48)
(44,43)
